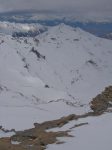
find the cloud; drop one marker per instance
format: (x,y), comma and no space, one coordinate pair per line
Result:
(85,7)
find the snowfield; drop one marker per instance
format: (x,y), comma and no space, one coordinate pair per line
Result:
(96,135)
(52,75)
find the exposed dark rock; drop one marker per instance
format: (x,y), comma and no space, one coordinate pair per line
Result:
(2,41)
(102,101)
(36,41)
(39,56)
(25,41)
(76,40)
(92,62)
(54,39)
(79,125)
(46,86)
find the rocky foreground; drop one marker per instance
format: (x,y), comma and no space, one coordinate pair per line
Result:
(39,136)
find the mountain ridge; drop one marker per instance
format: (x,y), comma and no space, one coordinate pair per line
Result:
(57,67)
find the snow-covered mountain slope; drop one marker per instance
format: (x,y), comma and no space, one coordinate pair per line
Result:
(59,69)
(80,61)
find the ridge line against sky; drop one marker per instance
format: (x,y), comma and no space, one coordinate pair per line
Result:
(79,7)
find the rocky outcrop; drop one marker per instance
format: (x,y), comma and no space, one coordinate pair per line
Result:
(102,101)
(39,136)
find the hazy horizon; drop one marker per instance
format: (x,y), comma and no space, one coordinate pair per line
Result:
(101,8)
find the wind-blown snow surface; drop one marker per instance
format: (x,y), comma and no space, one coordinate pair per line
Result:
(52,75)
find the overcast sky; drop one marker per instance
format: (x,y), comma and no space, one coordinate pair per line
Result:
(91,7)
